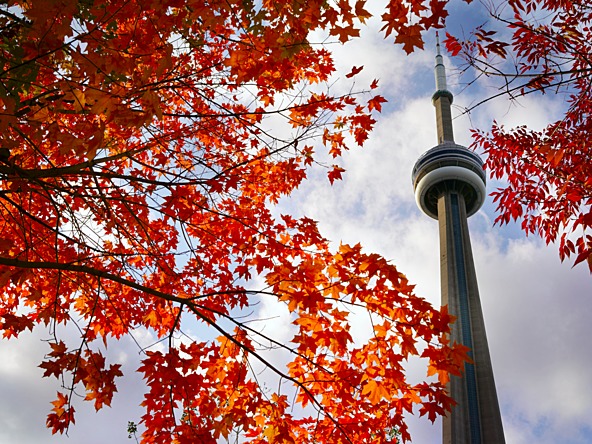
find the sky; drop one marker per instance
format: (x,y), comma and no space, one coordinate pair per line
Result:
(537,310)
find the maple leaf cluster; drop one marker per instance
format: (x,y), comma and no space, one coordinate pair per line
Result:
(138,174)
(549,171)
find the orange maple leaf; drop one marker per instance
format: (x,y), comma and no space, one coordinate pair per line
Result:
(410,38)
(376,103)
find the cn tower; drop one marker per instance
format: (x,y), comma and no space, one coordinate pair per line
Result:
(449,184)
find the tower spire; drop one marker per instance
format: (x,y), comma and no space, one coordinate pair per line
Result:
(442,99)
(440,69)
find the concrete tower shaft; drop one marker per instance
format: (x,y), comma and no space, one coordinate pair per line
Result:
(449,184)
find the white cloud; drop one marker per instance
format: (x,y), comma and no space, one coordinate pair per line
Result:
(26,397)
(537,315)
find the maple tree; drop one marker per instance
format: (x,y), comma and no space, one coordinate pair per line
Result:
(140,162)
(543,46)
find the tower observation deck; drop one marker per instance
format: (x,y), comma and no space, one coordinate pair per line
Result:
(449,184)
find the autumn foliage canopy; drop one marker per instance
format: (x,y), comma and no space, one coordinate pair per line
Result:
(143,148)
(140,163)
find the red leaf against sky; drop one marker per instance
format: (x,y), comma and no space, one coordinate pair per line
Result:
(355,70)
(375,103)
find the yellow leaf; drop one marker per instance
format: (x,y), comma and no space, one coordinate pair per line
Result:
(375,392)
(270,433)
